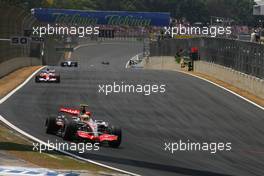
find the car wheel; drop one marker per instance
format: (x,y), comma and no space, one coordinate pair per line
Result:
(70,129)
(118,132)
(51,126)
(37,79)
(58,79)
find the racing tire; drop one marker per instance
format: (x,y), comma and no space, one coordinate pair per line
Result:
(76,64)
(58,79)
(37,79)
(51,126)
(70,129)
(118,132)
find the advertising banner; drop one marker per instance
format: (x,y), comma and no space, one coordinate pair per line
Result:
(115,18)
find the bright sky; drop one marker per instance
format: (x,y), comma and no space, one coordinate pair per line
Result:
(259,1)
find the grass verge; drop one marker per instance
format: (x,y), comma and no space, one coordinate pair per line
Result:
(16,145)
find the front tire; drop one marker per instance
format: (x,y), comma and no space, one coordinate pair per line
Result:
(51,126)
(37,79)
(70,129)
(117,132)
(58,79)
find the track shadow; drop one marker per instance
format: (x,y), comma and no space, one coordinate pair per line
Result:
(154,166)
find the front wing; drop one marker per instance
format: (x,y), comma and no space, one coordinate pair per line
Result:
(40,79)
(100,138)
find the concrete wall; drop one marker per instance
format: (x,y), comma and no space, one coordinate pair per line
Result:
(51,56)
(243,81)
(14,20)
(16,63)
(161,63)
(246,57)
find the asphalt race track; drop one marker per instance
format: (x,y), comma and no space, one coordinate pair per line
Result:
(190,109)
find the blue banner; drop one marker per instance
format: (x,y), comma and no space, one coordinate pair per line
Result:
(115,18)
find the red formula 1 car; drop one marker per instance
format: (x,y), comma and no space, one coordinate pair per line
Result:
(47,76)
(78,125)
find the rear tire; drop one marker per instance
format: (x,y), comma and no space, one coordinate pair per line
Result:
(70,129)
(118,132)
(51,126)
(37,79)
(58,79)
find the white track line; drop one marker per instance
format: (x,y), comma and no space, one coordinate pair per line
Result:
(61,151)
(69,55)
(85,45)
(44,143)
(92,44)
(126,66)
(20,86)
(230,91)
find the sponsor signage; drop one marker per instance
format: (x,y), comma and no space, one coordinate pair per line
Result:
(16,40)
(37,39)
(115,18)
(21,40)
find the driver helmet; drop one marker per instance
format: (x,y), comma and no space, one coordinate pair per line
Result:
(83,109)
(85,117)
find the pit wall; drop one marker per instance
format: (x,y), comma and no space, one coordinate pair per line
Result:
(245,57)
(240,80)
(161,63)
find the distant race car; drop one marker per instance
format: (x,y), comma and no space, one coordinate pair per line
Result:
(78,125)
(47,76)
(105,62)
(69,64)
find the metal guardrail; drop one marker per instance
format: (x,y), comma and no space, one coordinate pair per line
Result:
(242,56)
